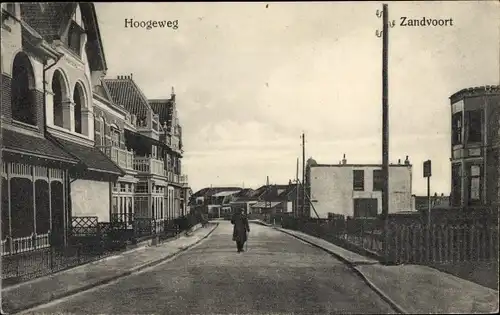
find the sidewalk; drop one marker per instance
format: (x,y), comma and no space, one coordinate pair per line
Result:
(45,289)
(411,288)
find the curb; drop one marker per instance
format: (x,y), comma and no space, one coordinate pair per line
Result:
(379,292)
(113,278)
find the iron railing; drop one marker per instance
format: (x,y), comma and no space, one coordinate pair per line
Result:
(88,240)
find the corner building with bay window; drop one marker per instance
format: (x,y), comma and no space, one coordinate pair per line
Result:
(475,147)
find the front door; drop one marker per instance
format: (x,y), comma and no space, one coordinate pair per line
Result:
(365,207)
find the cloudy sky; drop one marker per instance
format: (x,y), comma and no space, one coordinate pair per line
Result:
(250,79)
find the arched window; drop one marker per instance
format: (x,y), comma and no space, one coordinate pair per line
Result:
(58,88)
(23,103)
(79,100)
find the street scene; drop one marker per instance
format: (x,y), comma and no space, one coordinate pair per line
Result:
(250,158)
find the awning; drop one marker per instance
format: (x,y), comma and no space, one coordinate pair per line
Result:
(91,157)
(265,204)
(15,143)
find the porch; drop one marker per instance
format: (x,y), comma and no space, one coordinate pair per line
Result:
(33,203)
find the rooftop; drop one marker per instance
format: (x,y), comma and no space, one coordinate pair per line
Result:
(475,91)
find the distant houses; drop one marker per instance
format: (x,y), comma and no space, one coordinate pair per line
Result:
(219,202)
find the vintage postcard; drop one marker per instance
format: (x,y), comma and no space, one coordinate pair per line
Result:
(250,157)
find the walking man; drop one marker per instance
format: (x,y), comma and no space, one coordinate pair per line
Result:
(240,229)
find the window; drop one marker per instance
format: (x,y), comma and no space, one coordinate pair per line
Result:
(474,126)
(378,180)
(60,92)
(79,100)
(23,104)
(456,129)
(10,7)
(456,185)
(358,180)
(474,184)
(115,138)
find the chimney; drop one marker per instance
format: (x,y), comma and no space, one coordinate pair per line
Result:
(407,161)
(172,96)
(131,76)
(399,161)
(344,161)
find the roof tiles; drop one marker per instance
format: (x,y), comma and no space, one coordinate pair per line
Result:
(125,92)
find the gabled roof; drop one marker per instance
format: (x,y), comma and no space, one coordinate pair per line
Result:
(210,191)
(245,193)
(273,192)
(126,93)
(225,193)
(165,110)
(49,24)
(102,92)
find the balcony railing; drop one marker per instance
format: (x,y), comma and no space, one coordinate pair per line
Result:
(183,179)
(124,158)
(149,165)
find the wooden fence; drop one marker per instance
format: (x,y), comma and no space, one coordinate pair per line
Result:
(412,242)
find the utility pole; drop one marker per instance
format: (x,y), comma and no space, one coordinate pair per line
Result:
(297,189)
(267,190)
(303,173)
(385,118)
(385,113)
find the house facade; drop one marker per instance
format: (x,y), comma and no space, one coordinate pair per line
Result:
(150,142)
(50,168)
(355,190)
(70,147)
(475,147)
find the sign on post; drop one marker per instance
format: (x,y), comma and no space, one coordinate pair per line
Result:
(427,174)
(427,168)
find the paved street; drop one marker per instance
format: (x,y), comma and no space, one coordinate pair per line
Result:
(278,274)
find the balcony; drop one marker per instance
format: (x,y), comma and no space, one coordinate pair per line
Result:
(183,179)
(149,165)
(122,157)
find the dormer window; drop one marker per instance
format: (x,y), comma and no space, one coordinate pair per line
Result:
(74,37)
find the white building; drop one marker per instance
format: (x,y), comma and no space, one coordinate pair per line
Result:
(356,189)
